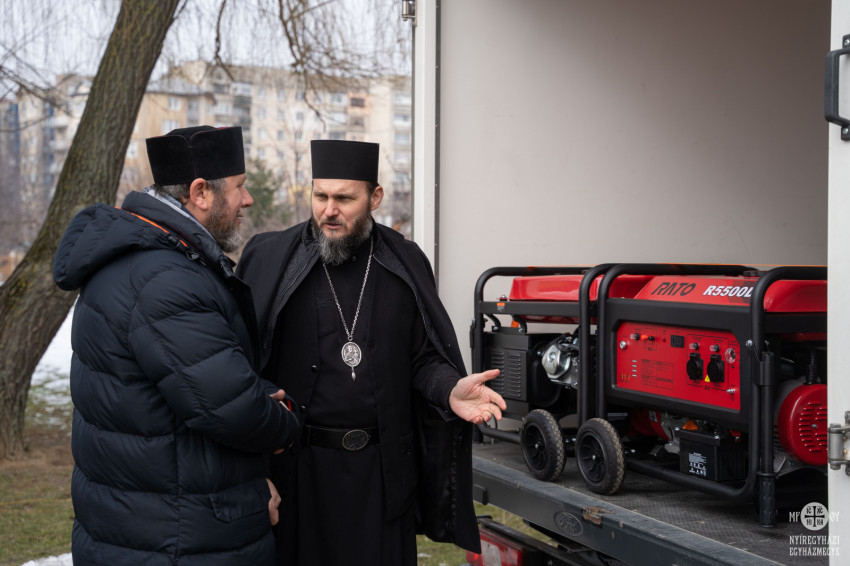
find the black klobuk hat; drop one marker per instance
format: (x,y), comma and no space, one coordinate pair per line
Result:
(185,154)
(338,159)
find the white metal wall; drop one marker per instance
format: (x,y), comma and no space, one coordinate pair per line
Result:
(575,132)
(839,281)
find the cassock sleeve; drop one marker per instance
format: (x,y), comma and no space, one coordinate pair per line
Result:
(433,376)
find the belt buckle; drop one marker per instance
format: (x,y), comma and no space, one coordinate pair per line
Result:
(355,440)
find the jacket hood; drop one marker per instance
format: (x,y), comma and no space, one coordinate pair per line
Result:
(100,233)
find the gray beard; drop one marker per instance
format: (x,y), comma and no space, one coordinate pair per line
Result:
(335,251)
(225,231)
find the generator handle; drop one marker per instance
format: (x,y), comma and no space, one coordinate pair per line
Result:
(477,328)
(586,395)
(641,269)
(794,272)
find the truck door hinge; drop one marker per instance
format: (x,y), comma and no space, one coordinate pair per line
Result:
(408,11)
(836,452)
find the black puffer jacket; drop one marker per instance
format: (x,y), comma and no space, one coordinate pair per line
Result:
(171,422)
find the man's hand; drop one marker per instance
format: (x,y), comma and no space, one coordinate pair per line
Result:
(473,401)
(273,503)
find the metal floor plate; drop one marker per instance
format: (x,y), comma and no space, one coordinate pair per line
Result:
(728,523)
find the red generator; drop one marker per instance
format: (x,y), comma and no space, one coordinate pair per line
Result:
(712,377)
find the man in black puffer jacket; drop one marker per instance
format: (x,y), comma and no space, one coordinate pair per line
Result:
(172,426)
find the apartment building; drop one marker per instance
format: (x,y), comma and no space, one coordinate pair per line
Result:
(279,112)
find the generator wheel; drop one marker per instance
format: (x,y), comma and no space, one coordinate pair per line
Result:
(543,445)
(599,454)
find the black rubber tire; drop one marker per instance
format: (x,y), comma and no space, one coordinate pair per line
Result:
(599,454)
(543,445)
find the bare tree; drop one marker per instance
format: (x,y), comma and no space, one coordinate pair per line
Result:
(31,306)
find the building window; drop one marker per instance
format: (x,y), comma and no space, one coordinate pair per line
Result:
(402,118)
(402,98)
(168,125)
(402,139)
(281,94)
(280,116)
(219,88)
(336,136)
(299,117)
(299,96)
(358,101)
(357,121)
(261,113)
(261,92)
(133,150)
(299,136)
(242,89)
(261,153)
(280,154)
(338,118)
(280,135)
(261,134)
(401,178)
(173,103)
(337,98)
(402,158)
(222,108)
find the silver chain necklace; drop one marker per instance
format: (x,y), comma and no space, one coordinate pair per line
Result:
(351,353)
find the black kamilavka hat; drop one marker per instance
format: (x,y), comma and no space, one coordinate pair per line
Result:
(185,154)
(338,159)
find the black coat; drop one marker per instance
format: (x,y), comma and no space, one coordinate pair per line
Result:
(274,264)
(171,422)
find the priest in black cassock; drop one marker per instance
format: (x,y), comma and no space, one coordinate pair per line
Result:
(352,328)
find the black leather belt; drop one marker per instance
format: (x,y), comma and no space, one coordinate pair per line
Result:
(351,439)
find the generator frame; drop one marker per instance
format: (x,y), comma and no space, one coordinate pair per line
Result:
(598,394)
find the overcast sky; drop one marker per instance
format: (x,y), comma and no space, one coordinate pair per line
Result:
(42,38)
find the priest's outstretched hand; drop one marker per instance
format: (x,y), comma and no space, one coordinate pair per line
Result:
(473,401)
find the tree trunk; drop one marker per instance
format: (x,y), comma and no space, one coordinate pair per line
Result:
(32,308)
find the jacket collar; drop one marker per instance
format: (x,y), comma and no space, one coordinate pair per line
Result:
(184,226)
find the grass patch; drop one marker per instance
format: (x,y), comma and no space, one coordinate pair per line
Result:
(36,514)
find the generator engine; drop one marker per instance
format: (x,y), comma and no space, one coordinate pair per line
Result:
(560,360)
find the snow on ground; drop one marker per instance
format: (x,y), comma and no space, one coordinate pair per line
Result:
(56,361)
(63,560)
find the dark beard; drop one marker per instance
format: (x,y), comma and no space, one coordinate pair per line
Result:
(335,251)
(224,231)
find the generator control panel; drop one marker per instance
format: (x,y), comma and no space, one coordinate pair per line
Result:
(687,364)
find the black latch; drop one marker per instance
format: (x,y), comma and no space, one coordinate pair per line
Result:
(833,78)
